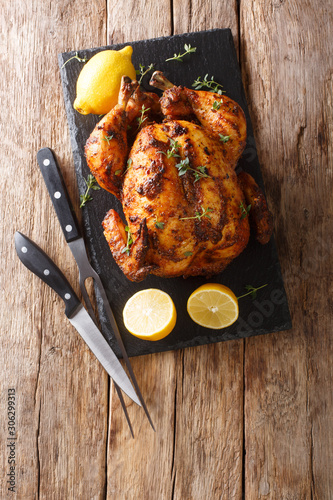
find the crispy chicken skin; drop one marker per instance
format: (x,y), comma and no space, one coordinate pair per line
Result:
(225,119)
(261,218)
(107,147)
(156,196)
(179,222)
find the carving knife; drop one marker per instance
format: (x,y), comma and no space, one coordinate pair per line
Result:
(36,260)
(66,215)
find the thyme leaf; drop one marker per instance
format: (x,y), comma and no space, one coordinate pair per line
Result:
(142,116)
(199,215)
(107,138)
(179,57)
(251,290)
(143,71)
(211,85)
(199,172)
(217,105)
(173,151)
(129,241)
(244,210)
(91,183)
(128,165)
(80,59)
(224,138)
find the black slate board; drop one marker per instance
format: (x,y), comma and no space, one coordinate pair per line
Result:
(257,265)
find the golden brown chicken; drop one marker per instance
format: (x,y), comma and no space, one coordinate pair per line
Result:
(185,209)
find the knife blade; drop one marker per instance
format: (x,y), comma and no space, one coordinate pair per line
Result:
(38,262)
(66,215)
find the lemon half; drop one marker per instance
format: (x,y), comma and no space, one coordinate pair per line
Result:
(150,314)
(98,84)
(213,306)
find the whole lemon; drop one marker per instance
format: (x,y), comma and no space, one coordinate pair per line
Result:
(98,85)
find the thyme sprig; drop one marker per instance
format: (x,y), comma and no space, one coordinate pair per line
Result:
(251,290)
(173,151)
(142,118)
(211,85)
(107,138)
(128,165)
(224,138)
(91,184)
(143,71)
(198,172)
(244,210)
(198,215)
(179,57)
(129,241)
(80,59)
(217,105)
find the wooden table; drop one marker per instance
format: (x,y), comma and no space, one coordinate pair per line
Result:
(245,419)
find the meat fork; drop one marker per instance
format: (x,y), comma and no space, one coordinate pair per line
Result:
(66,215)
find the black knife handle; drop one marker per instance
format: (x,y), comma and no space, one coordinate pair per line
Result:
(40,264)
(58,193)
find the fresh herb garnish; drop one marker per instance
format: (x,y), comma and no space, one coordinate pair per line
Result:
(244,210)
(159,225)
(217,105)
(199,172)
(179,57)
(129,241)
(142,118)
(173,151)
(188,254)
(80,59)
(107,138)
(143,71)
(129,164)
(199,215)
(224,138)
(91,184)
(251,290)
(117,172)
(211,85)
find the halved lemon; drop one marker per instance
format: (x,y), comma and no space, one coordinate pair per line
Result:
(150,314)
(213,306)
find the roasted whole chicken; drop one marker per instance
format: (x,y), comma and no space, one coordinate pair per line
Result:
(171,162)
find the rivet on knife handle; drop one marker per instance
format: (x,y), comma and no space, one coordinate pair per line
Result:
(40,264)
(58,193)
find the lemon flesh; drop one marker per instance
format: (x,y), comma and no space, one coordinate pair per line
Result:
(98,84)
(213,306)
(150,314)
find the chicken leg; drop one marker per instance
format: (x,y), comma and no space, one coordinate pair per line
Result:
(219,115)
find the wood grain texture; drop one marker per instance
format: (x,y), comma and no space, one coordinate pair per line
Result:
(62,392)
(286,61)
(198,15)
(137,20)
(233,420)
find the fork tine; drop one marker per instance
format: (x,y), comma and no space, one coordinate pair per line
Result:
(120,395)
(116,332)
(87,301)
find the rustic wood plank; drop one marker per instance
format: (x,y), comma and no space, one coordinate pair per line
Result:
(198,15)
(61,391)
(139,20)
(196,395)
(208,449)
(287,61)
